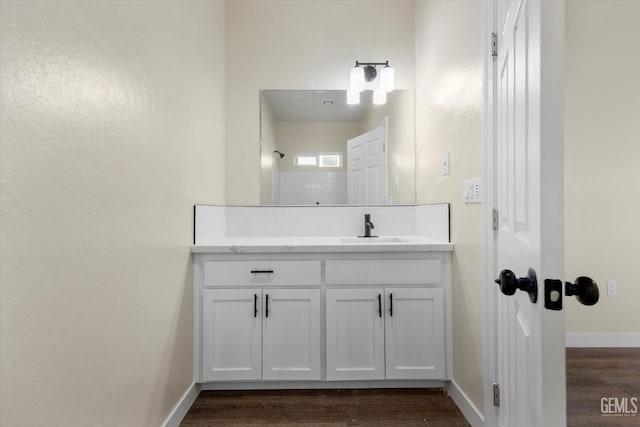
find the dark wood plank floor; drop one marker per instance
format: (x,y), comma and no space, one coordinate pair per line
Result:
(594,373)
(325,408)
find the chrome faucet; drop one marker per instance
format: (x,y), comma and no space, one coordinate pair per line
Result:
(368,226)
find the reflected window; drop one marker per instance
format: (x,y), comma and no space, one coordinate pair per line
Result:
(333,160)
(306,160)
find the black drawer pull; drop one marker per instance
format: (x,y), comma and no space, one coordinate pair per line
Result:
(379,305)
(261,271)
(266,311)
(255,305)
(391,305)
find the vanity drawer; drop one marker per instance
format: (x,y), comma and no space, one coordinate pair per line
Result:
(298,273)
(384,272)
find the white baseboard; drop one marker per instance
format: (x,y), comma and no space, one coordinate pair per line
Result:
(313,385)
(182,407)
(468,409)
(624,339)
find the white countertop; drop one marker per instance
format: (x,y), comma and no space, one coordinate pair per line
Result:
(293,244)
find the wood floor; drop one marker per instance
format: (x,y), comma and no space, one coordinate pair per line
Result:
(592,373)
(325,408)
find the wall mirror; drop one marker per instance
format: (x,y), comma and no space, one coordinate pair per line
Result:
(318,150)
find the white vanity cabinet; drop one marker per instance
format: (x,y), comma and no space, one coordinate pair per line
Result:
(391,333)
(256,323)
(355,334)
(370,317)
(231,335)
(385,318)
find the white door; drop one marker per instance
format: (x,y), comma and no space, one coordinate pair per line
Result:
(291,334)
(355,334)
(524,164)
(367,167)
(231,335)
(414,333)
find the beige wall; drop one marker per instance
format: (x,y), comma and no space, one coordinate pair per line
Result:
(401,147)
(293,44)
(602,158)
(112,127)
(448,117)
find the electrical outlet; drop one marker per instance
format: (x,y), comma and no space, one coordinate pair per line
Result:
(396,181)
(612,288)
(472,190)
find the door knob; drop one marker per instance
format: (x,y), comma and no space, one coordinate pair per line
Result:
(585,289)
(509,283)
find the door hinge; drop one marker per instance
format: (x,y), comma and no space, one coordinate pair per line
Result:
(496,394)
(384,146)
(494,219)
(494,45)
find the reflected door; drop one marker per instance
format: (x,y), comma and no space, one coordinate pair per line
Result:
(367,167)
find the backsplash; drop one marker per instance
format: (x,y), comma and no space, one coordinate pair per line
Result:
(215,222)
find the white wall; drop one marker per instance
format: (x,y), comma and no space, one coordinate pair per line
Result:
(602,158)
(293,44)
(112,127)
(448,119)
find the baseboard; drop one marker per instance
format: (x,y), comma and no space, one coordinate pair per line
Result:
(468,409)
(313,385)
(624,339)
(182,407)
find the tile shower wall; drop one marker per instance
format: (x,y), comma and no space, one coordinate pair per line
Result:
(310,188)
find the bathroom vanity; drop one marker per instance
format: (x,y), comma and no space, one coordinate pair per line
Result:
(293,312)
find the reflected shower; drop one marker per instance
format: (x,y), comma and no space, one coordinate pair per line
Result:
(281,154)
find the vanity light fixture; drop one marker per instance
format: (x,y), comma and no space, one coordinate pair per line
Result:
(367,72)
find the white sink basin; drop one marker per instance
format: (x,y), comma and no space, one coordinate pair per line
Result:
(372,240)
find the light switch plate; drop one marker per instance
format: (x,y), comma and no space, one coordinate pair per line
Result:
(446,163)
(612,288)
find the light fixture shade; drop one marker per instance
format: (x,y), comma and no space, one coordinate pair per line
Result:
(357,79)
(379,97)
(387,79)
(353,97)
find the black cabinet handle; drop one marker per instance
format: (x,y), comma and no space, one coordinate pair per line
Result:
(391,305)
(379,305)
(261,271)
(255,305)
(266,311)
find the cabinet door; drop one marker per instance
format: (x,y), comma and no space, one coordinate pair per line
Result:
(355,334)
(231,334)
(414,333)
(291,334)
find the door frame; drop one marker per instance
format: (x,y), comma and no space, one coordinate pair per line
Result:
(488,186)
(551,44)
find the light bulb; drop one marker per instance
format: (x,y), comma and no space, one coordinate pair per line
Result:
(379,97)
(357,79)
(353,97)
(387,79)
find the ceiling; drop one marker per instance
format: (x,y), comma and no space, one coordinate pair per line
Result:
(315,105)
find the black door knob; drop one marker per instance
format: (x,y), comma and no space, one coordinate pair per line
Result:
(585,289)
(509,283)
